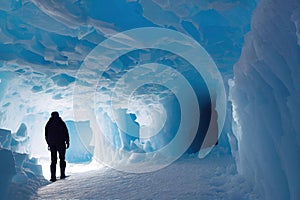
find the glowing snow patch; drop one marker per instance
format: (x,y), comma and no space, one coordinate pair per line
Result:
(71,168)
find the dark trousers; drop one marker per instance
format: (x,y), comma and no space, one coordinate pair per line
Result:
(61,149)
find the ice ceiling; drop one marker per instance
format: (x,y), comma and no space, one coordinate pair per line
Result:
(44,43)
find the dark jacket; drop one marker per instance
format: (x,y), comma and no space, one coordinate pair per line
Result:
(56,132)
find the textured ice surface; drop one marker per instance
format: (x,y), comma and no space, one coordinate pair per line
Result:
(266,106)
(43,44)
(7,171)
(5,138)
(77,151)
(20,174)
(20,140)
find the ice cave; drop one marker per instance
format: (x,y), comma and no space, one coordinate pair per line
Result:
(163,99)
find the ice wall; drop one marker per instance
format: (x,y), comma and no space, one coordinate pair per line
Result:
(265,94)
(7,171)
(80,135)
(20,174)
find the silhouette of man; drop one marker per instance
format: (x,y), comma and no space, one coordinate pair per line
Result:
(57,138)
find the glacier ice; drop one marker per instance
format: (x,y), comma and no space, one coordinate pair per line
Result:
(7,171)
(19,172)
(78,151)
(38,72)
(121,86)
(20,140)
(5,139)
(44,43)
(265,97)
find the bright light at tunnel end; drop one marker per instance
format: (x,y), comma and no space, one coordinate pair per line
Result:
(100,59)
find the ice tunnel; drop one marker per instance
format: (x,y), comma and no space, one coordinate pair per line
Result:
(141,83)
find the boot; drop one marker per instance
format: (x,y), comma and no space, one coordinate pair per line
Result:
(62,173)
(62,170)
(53,173)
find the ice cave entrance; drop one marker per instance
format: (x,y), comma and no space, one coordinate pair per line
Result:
(141,112)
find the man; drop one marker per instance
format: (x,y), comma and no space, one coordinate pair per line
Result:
(57,138)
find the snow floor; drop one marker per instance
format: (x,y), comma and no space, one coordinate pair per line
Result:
(214,177)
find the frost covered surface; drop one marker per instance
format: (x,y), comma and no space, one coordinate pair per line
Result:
(266,101)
